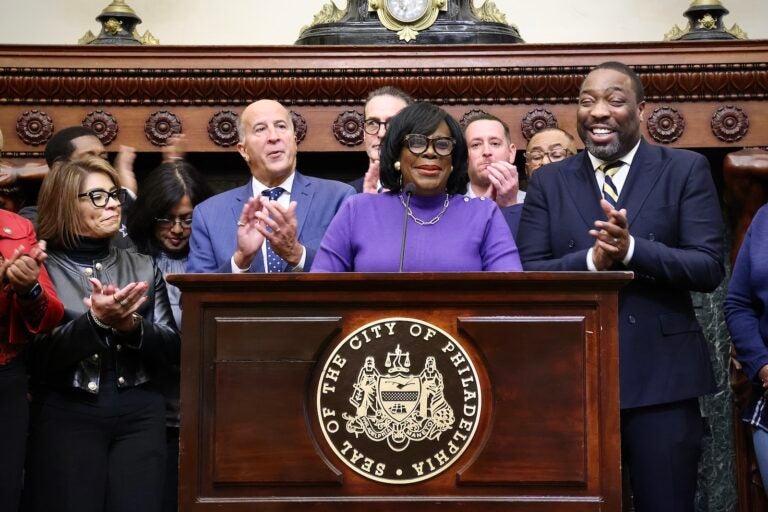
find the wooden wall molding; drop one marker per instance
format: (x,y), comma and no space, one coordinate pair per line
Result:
(695,79)
(311,87)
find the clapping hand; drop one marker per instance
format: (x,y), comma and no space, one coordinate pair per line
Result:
(504,183)
(115,306)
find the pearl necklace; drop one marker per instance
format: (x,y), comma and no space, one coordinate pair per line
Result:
(421,222)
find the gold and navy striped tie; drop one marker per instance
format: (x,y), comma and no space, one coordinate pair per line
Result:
(610,192)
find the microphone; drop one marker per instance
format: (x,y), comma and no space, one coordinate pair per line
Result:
(408,190)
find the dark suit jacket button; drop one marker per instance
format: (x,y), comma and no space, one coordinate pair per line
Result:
(651,236)
(571,243)
(631,319)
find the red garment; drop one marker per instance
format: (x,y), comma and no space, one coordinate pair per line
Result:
(20,319)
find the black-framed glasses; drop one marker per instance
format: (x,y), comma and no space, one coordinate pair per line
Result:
(100,197)
(418,144)
(372,126)
(555,154)
(185,222)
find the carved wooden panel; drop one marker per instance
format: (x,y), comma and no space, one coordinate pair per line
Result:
(222,128)
(537,120)
(161,126)
(694,78)
(730,123)
(103,124)
(348,128)
(34,127)
(666,125)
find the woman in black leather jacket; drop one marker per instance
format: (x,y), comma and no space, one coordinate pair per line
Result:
(98,426)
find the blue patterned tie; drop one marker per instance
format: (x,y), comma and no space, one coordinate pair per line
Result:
(274,262)
(610,192)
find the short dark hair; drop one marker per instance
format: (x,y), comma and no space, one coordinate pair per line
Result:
(60,146)
(158,194)
(389,90)
(422,118)
(479,115)
(622,68)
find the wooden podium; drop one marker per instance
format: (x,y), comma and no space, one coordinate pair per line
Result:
(478,391)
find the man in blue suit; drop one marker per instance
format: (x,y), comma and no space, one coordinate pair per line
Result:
(276,221)
(655,211)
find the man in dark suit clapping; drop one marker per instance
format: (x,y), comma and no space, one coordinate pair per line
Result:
(627,205)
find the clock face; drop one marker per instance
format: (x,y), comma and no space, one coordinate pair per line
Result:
(407,11)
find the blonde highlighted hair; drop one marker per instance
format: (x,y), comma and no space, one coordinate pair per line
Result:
(59,220)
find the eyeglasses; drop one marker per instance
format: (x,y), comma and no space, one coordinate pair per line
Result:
(372,126)
(418,144)
(100,197)
(555,154)
(185,223)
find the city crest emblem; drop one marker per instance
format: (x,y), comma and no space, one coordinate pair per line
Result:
(389,419)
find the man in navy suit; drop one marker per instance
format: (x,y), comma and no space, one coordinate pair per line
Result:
(661,220)
(276,221)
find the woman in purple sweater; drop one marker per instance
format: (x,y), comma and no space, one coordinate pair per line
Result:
(424,166)
(746,313)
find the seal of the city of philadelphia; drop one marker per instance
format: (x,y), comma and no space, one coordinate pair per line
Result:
(398,400)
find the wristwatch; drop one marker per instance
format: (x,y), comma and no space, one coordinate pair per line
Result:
(33,292)
(407,17)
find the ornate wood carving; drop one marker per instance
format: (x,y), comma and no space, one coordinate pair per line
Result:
(299,126)
(469,115)
(103,124)
(348,128)
(666,125)
(161,126)
(222,128)
(34,127)
(730,123)
(308,82)
(536,120)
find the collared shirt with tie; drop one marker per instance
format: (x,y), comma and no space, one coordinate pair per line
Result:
(284,200)
(618,177)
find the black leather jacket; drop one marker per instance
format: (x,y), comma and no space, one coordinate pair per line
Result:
(71,355)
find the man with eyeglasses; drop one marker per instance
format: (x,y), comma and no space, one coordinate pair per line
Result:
(492,172)
(381,106)
(274,223)
(547,146)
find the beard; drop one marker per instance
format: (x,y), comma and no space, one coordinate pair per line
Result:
(625,141)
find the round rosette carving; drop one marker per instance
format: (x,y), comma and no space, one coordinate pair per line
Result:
(34,127)
(348,128)
(536,120)
(222,128)
(730,123)
(299,126)
(161,126)
(666,125)
(469,116)
(103,124)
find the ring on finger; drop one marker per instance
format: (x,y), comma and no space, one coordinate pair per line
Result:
(615,240)
(240,224)
(124,302)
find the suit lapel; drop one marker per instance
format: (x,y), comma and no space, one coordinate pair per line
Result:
(644,172)
(242,197)
(302,193)
(580,181)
